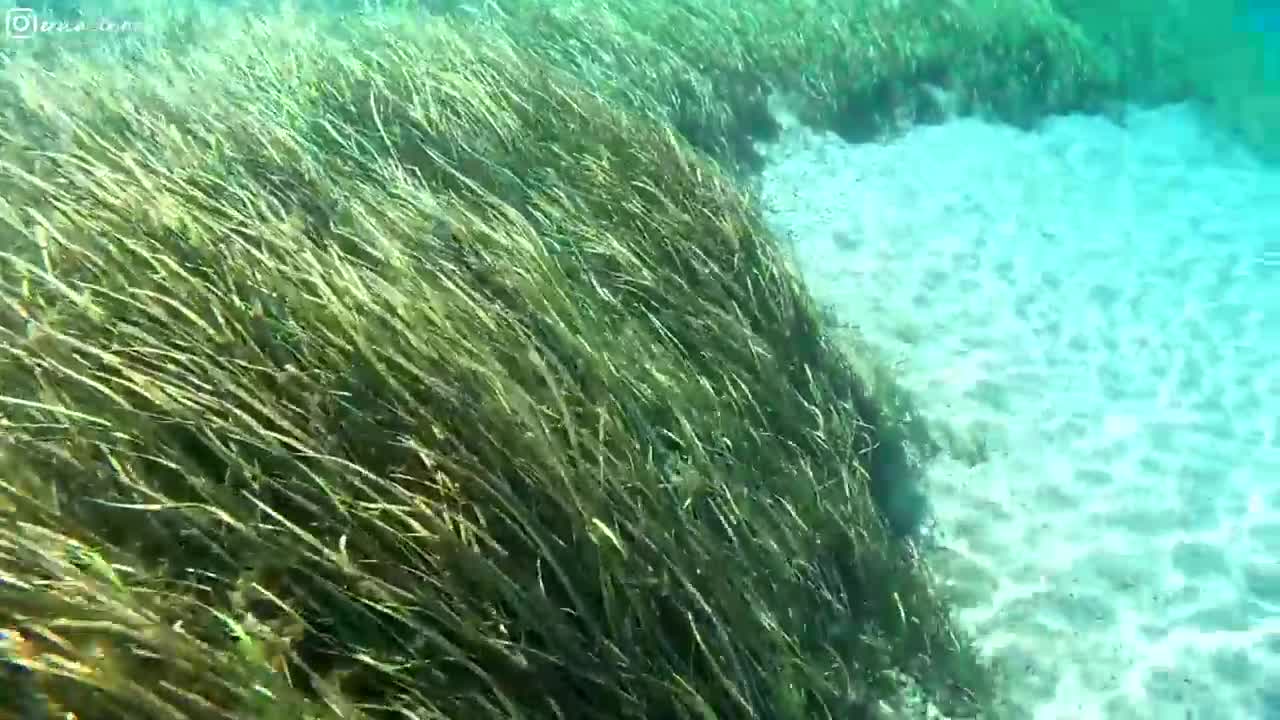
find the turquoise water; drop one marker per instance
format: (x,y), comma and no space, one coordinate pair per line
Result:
(1095,300)
(1262,18)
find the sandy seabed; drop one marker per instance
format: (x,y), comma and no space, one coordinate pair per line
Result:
(1098,304)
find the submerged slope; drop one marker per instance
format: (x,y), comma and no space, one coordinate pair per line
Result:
(381,370)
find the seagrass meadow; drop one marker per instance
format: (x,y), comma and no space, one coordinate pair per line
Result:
(434,364)
(381,370)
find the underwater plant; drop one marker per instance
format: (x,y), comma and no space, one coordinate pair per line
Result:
(381,368)
(864,69)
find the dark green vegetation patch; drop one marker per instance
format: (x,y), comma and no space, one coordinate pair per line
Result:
(864,69)
(390,373)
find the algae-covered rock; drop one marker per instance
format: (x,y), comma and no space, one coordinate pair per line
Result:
(384,370)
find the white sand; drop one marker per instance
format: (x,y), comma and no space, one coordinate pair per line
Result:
(1101,304)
